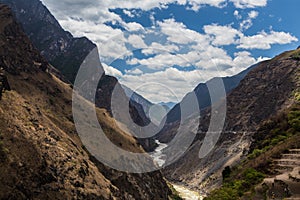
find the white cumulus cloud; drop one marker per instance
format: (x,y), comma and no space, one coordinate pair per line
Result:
(264,40)
(253,14)
(237,15)
(136,41)
(222,35)
(109,70)
(156,48)
(178,33)
(128,13)
(249,3)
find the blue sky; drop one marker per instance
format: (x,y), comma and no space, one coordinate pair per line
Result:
(164,48)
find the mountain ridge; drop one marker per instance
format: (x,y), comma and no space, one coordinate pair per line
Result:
(203,96)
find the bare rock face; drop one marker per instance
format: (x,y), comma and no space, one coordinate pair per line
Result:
(41,156)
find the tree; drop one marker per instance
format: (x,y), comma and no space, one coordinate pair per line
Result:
(226,172)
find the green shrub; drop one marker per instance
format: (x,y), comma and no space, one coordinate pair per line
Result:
(297,96)
(296,56)
(255,153)
(294,119)
(226,172)
(278,139)
(253,177)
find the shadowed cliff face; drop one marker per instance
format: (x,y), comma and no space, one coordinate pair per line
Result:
(59,47)
(41,156)
(265,91)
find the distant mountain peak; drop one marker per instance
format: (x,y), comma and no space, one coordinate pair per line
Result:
(168,105)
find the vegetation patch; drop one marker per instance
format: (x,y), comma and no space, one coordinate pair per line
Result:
(276,131)
(296,55)
(234,189)
(294,119)
(297,96)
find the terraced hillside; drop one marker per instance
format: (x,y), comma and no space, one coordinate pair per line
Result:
(285,185)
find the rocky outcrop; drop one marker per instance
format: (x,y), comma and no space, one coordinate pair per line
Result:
(42,157)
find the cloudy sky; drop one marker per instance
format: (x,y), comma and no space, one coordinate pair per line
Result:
(164,48)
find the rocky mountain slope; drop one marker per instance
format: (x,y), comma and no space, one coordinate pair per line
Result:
(42,157)
(146,104)
(203,96)
(267,90)
(67,53)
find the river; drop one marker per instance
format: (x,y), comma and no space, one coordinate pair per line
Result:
(158,155)
(186,193)
(183,192)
